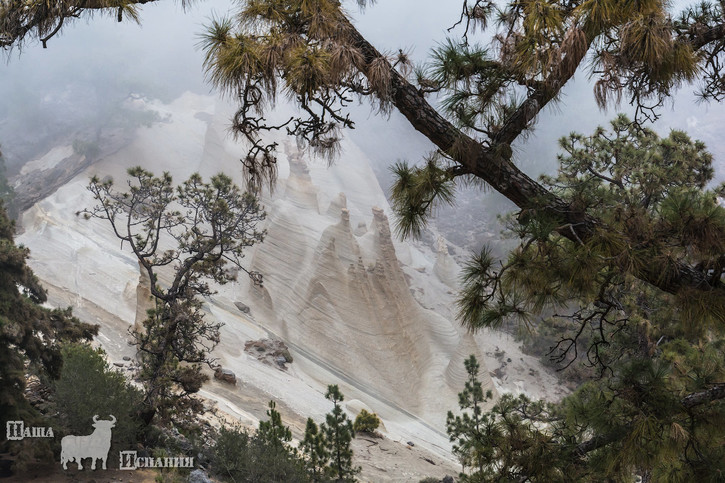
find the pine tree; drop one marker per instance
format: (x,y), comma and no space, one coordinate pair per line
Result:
(466,431)
(263,456)
(87,387)
(29,333)
(283,462)
(273,432)
(339,433)
(212,225)
(656,417)
(504,443)
(314,450)
(660,389)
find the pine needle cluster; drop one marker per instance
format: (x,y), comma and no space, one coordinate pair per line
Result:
(650,195)
(308,47)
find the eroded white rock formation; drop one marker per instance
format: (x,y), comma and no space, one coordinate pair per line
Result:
(344,297)
(355,306)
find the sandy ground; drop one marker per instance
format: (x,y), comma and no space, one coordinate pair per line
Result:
(386,460)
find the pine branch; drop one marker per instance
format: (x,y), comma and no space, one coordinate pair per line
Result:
(700,39)
(494,166)
(491,163)
(20,22)
(715,393)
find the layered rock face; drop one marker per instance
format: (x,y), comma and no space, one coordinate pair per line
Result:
(350,306)
(335,289)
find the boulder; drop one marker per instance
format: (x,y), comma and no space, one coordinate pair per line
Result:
(36,392)
(198,476)
(286,354)
(225,375)
(242,307)
(270,351)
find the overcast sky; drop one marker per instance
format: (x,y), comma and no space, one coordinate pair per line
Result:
(161,53)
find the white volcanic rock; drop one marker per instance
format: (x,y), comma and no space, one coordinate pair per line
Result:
(356,307)
(47,161)
(445,268)
(344,299)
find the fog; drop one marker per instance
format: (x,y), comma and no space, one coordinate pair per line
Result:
(89,68)
(77,83)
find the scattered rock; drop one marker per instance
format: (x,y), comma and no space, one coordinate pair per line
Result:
(270,351)
(201,457)
(198,476)
(498,373)
(36,392)
(181,441)
(225,375)
(242,307)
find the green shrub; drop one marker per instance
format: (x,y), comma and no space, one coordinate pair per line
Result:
(88,387)
(239,456)
(338,433)
(230,455)
(366,422)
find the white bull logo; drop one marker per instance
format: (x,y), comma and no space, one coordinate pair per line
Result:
(94,446)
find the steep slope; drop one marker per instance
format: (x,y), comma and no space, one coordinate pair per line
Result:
(355,306)
(344,297)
